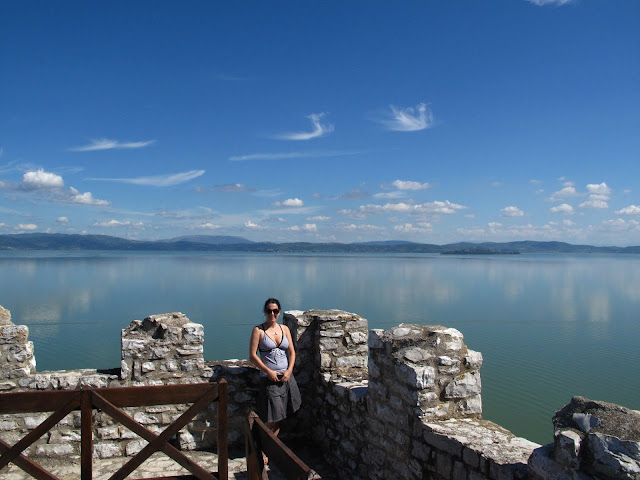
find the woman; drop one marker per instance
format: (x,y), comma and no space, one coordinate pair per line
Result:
(278,388)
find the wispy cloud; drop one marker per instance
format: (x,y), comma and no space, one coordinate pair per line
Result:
(319,129)
(409,119)
(429,208)
(290,202)
(157,180)
(107,144)
(422,227)
(118,223)
(409,185)
(542,3)
(290,155)
(227,188)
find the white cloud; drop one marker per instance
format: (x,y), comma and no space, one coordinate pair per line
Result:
(598,189)
(542,3)
(409,185)
(423,227)
(567,192)
(595,203)
(630,210)
(319,218)
(106,144)
(290,155)
(511,211)
(41,180)
(112,223)
(390,195)
(564,208)
(307,227)
(620,225)
(319,129)
(409,119)
(158,180)
(352,227)
(27,226)
(429,208)
(252,226)
(494,224)
(290,202)
(62,220)
(83,198)
(207,226)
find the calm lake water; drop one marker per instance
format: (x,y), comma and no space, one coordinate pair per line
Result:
(549,326)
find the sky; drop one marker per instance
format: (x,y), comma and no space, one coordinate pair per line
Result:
(425,121)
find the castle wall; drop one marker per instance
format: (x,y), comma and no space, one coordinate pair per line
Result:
(401,403)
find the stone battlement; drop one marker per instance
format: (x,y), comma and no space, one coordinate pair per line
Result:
(399,403)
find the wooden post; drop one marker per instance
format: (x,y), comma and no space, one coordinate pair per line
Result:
(86,434)
(223,427)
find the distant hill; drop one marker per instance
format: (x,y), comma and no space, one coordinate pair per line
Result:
(203,243)
(210,239)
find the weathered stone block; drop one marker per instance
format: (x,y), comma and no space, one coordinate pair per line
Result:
(418,377)
(465,385)
(106,450)
(135,447)
(55,450)
(567,448)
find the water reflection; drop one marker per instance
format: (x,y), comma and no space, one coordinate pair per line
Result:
(547,323)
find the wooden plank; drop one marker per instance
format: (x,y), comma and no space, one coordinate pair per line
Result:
(149,436)
(50,400)
(223,428)
(86,435)
(279,454)
(253,454)
(28,465)
(157,394)
(40,430)
(164,437)
(29,402)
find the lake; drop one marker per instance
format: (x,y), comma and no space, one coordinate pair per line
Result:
(549,326)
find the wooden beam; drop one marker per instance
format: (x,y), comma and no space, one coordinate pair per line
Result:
(121,417)
(28,465)
(40,430)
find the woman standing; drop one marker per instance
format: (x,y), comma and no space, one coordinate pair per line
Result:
(278,388)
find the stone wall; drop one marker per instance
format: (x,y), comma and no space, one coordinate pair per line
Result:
(401,403)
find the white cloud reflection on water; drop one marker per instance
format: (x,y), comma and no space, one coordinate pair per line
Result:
(532,317)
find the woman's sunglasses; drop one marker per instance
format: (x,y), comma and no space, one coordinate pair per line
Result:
(275,311)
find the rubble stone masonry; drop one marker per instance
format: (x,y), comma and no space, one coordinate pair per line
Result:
(401,403)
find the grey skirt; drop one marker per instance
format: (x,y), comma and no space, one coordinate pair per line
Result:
(276,399)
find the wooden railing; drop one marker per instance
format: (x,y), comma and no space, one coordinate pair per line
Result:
(260,439)
(110,401)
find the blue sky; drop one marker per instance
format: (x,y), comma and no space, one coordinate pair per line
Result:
(427,121)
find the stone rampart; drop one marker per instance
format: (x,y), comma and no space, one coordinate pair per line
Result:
(401,403)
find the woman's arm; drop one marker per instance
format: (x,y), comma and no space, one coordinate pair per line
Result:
(291,354)
(255,359)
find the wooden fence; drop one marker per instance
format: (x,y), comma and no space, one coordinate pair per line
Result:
(110,401)
(260,439)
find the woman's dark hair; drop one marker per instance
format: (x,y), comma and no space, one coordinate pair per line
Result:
(271,300)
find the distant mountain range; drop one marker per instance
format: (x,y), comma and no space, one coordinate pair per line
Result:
(59,241)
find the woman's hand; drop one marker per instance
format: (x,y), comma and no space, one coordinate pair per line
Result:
(286,375)
(273,376)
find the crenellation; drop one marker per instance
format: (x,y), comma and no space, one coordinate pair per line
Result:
(400,403)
